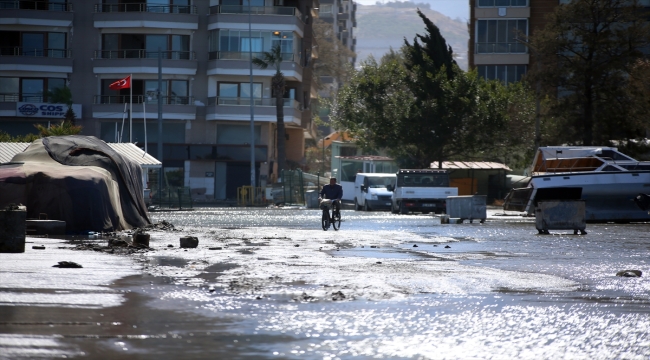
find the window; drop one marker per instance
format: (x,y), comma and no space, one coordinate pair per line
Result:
(41,44)
(239,90)
(237,134)
(174,92)
(137,46)
(505,73)
(234,44)
(325,10)
(500,3)
(15,89)
(500,36)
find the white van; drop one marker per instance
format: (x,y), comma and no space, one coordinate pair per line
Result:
(370,191)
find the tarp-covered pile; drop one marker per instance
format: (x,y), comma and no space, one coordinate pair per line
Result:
(76,179)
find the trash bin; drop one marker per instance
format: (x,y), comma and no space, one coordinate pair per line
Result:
(469,207)
(560,215)
(311,199)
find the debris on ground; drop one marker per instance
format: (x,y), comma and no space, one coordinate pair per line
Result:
(67,264)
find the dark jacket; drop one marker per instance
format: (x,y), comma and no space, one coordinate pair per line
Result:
(332,192)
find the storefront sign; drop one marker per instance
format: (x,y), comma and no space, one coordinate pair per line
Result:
(45,110)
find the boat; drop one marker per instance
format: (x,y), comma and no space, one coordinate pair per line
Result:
(606,179)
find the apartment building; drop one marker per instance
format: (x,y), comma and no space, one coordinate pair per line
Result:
(201,48)
(341,14)
(493,31)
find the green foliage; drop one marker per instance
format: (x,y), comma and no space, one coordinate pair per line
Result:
(5,137)
(63,128)
(587,51)
(421,107)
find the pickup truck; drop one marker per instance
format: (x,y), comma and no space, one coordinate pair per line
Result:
(424,191)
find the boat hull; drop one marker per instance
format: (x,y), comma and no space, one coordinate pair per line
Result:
(608,196)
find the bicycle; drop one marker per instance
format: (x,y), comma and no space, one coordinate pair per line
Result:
(334,219)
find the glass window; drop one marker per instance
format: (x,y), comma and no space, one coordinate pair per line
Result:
(237,134)
(154,43)
(500,36)
(505,73)
(32,90)
(33,44)
(502,3)
(56,45)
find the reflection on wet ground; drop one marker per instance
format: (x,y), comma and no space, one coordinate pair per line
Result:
(279,287)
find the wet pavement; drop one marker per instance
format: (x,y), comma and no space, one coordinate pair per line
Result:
(270,283)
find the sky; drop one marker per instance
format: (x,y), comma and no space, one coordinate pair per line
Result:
(452,8)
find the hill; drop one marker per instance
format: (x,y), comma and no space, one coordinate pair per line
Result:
(380,27)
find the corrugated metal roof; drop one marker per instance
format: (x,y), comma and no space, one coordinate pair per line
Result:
(132,152)
(471,165)
(136,154)
(366,158)
(8,150)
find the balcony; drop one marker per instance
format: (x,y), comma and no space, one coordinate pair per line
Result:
(500,48)
(143,15)
(144,54)
(144,7)
(18,12)
(174,107)
(281,18)
(35,59)
(34,5)
(176,62)
(238,109)
(238,63)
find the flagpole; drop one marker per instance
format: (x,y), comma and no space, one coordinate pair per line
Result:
(144,118)
(131,109)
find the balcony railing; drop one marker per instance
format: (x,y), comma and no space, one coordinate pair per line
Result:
(15,97)
(256,10)
(139,99)
(243,55)
(144,7)
(500,48)
(242,101)
(34,5)
(35,52)
(144,54)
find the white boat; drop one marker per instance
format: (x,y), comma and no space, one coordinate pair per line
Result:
(606,179)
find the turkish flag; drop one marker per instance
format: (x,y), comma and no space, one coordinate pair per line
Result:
(121,84)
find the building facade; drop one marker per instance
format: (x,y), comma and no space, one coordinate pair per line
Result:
(194,55)
(495,48)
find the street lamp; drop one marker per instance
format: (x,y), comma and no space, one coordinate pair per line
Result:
(322,165)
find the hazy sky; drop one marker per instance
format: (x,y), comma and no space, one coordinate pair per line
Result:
(452,8)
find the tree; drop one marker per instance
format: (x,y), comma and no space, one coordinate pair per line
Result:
(63,95)
(273,59)
(420,106)
(585,54)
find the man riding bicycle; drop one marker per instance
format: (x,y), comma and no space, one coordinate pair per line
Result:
(334,192)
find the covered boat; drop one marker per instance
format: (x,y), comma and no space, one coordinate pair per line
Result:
(606,179)
(76,179)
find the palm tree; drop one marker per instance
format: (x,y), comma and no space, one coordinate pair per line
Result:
(273,58)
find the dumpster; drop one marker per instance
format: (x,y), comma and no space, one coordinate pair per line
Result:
(560,215)
(12,229)
(469,207)
(311,199)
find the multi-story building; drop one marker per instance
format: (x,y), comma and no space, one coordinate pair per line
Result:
(202,49)
(495,46)
(341,14)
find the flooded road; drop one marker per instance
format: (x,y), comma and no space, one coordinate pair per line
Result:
(269,283)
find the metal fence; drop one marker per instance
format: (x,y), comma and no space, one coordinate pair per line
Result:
(173,198)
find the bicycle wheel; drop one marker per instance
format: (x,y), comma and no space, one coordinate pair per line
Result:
(325,220)
(336,220)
